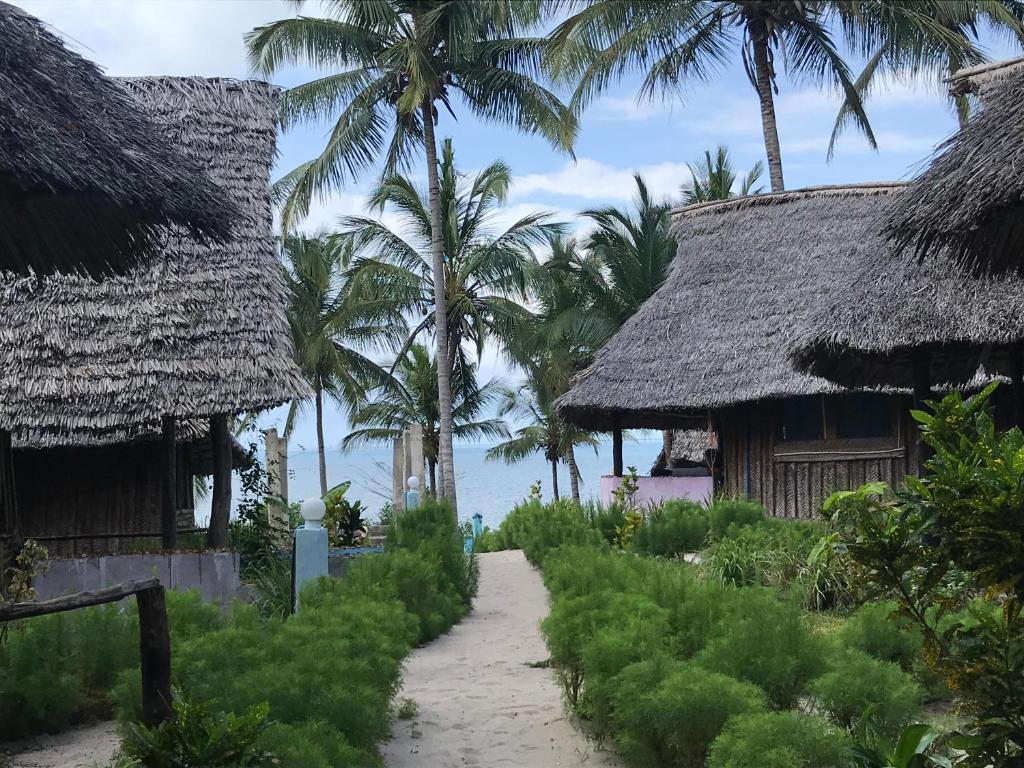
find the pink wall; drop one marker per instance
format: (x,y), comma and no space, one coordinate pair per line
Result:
(655,490)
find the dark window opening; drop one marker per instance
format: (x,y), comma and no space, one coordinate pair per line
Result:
(864,414)
(802,418)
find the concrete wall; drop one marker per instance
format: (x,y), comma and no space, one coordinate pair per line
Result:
(654,490)
(214,574)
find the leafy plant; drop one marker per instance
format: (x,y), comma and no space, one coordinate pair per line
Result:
(677,526)
(780,740)
(198,736)
(915,748)
(270,580)
(250,531)
(343,519)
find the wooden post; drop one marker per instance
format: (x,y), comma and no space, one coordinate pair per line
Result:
(920,371)
(617,451)
(168,483)
(154,655)
(10,531)
(1017,384)
(220,507)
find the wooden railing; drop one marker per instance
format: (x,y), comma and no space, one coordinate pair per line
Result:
(154,635)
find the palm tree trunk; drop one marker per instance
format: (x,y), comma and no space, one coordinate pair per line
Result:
(763,74)
(554,479)
(446,456)
(574,472)
(320,440)
(432,463)
(667,436)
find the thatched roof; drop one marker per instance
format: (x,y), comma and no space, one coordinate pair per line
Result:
(199,332)
(969,202)
(889,307)
(747,273)
(87,181)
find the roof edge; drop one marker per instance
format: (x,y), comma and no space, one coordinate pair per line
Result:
(862,189)
(980,76)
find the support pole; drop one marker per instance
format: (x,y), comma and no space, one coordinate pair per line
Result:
(155,656)
(1017,384)
(220,508)
(920,370)
(168,483)
(617,451)
(10,531)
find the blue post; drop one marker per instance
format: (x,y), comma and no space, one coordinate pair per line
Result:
(310,546)
(478,524)
(412,495)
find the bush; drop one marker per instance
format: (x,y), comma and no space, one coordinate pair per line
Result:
(762,639)
(780,740)
(876,629)
(668,712)
(675,527)
(727,516)
(858,684)
(430,529)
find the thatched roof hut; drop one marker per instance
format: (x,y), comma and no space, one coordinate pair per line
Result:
(748,272)
(87,180)
(198,332)
(969,202)
(712,344)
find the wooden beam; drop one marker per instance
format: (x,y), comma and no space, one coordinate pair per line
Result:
(220,508)
(617,452)
(920,371)
(168,483)
(1017,384)
(10,532)
(16,611)
(154,655)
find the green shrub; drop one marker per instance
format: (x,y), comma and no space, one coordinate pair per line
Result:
(676,527)
(605,519)
(727,516)
(315,744)
(876,629)
(197,736)
(762,639)
(431,530)
(668,712)
(858,684)
(780,740)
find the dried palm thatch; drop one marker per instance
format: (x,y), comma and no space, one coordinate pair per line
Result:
(969,202)
(199,332)
(87,181)
(748,272)
(889,310)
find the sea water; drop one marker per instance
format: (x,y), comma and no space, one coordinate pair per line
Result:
(491,488)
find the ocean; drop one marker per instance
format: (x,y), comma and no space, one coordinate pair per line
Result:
(491,488)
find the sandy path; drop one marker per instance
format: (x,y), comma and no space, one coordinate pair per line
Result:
(78,748)
(480,704)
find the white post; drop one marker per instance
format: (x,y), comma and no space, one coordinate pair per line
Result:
(412,495)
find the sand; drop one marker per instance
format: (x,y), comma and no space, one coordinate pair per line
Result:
(480,703)
(77,748)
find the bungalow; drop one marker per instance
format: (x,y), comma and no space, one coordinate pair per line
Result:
(711,347)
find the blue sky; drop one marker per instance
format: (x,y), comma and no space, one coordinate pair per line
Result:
(618,136)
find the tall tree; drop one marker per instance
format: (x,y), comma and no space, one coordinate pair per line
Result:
(413,400)
(391,64)
(714,179)
(485,271)
(673,42)
(330,331)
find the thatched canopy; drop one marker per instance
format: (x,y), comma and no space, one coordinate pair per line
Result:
(748,272)
(969,202)
(199,332)
(87,180)
(889,309)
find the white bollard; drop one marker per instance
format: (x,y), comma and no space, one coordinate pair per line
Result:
(310,545)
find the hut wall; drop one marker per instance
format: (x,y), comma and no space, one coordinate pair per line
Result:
(94,490)
(793,484)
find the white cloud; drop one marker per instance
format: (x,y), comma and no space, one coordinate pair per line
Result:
(594,180)
(627,108)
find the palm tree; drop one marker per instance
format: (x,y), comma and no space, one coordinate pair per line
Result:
(413,400)
(329,328)
(392,64)
(484,270)
(715,178)
(543,432)
(676,41)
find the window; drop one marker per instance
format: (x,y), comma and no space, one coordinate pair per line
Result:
(864,414)
(802,418)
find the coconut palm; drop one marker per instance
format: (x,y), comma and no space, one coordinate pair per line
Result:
(674,42)
(330,331)
(484,269)
(413,400)
(714,179)
(543,432)
(391,65)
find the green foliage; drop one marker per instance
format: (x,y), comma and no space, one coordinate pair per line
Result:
(430,529)
(312,744)
(270,579)
(607,520)
(343,519)
(669,712)
(915,748)
(780,740)
(676,527)
(762,639)
(250,530)
(878,630)
(726,516)
(198,736)
(861,686)
(537,528)
(946,550)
